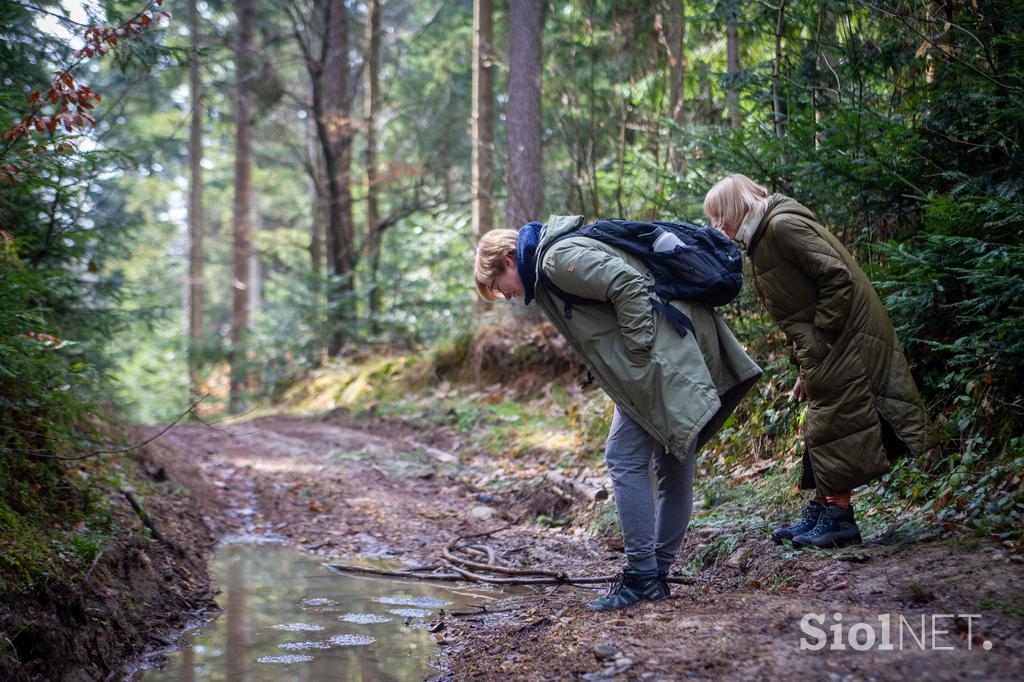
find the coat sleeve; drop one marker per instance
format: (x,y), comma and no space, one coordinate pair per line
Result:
(802,245)
(590,272)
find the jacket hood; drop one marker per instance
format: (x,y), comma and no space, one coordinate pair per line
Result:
(779,205)
(558,225)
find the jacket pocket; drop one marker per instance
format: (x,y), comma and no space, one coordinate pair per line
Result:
(809,345)
(841,366)
(822,344)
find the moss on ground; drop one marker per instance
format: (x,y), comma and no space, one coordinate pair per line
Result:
(749,470)
(54,517)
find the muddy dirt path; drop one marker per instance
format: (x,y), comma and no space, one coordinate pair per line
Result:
(343,489)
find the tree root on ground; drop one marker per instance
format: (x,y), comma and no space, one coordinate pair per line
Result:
(460,568)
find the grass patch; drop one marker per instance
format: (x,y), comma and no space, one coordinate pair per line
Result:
(711,553)
(54,518)
(977,488)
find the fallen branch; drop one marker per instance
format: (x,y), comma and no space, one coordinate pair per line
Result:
(485,534)
(462,574)
(476,577)
(408,574)
(482,550)
(579,488)
(493,568)
(439,455)
(95,560)
(119,451)
(146,521)
(482,612)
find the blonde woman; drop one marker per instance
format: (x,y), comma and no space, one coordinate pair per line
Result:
(863,407)
(671,393)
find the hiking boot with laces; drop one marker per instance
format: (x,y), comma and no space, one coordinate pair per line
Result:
(835,528)
(631,587)
(808,518)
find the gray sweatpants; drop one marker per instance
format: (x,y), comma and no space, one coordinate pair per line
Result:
(653,494)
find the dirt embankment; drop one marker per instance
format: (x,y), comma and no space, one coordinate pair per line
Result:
(345,488)
(138,592)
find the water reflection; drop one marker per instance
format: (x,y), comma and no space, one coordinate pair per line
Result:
(286,617)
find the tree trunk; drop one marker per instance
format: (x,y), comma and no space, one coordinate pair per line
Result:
(243,200)
(372,106)
(778,113)
(255,282)
(318,203)
(671,29)
(732,94)
(525,181)
(822,99)
(482,124)
(333,105)
(195,209)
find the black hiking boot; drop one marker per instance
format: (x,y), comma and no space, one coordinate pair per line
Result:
(630,588)
(808,518)
(835,528)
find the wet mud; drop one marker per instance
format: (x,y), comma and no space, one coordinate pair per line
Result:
(345,490)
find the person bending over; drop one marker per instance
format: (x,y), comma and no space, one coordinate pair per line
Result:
(863,407)
(671,392)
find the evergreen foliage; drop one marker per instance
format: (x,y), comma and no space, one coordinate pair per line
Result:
(899,122)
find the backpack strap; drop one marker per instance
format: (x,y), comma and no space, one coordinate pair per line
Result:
(568,300)
(678,319)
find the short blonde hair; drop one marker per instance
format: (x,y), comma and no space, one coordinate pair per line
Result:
(490,253)
(733,197)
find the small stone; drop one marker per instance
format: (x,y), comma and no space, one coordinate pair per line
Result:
(739,558)
(1017,558)
(481,513)
(605,651)
(854,558)
(495,650)
(688,624)
(623,662)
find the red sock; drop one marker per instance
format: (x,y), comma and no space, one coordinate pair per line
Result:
(840,500)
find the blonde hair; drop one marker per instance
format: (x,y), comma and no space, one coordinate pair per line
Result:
(733,197)
(490,253)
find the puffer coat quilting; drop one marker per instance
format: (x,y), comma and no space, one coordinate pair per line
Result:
(851,362)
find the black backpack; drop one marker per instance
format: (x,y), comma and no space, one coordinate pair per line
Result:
(706,266)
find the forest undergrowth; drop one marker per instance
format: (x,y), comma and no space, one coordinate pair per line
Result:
(513,394)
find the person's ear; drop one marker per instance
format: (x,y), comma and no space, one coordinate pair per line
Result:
(510,261)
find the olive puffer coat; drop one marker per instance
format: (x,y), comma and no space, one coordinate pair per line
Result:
(678,389)
(851,363)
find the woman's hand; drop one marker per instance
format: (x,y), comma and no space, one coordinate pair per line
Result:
(799,394)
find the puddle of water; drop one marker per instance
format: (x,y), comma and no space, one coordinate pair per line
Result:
(281,621)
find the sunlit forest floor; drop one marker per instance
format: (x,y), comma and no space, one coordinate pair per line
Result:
(373,484)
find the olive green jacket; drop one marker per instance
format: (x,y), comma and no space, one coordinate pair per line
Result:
(851,363)
(678,389)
